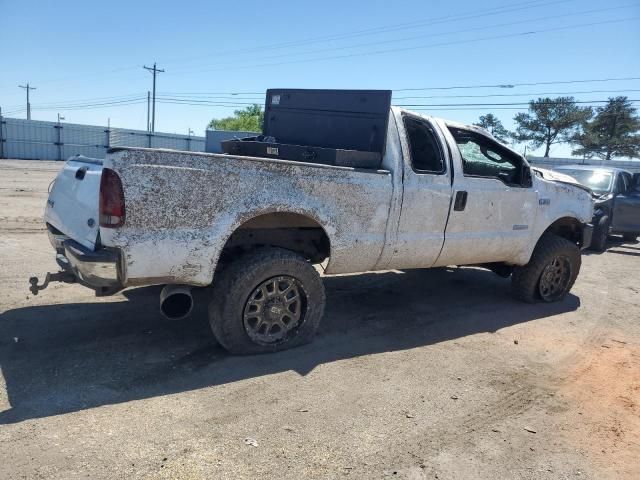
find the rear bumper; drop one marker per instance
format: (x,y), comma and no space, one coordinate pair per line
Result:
(587,235)
(98,270)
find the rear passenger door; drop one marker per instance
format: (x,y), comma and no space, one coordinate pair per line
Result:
(494,204)
(426,193)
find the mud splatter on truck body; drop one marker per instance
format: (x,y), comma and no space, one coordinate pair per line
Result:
(251,226)
(183,207)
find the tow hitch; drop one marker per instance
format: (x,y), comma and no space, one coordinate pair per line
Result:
(62,276)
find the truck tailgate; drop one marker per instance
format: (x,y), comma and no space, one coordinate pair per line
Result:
(72,206)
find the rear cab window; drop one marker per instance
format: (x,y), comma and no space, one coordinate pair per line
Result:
(426,155)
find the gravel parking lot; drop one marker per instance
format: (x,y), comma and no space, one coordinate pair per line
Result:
(415,374)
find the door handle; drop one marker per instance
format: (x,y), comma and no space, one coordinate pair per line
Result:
(460,202)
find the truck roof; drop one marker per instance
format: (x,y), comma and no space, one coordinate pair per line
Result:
(464,126)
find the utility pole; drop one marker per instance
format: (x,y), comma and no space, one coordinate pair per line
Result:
(189,133)
(27,88)
(148,107)
(59,143)
(154,71)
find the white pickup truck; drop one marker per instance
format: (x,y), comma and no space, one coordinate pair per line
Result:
(252,228)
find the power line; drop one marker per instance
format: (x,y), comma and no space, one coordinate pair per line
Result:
(509,8)
(498,104)
(240,104)
(518,94)
(513,85)
(93,104)
(204,96)
(86,103)
(418,107)
(74,101)
(419,47)
(232,102)
(204,103)
(231,99)
(454,87)
(83,107)
(155,71)
(453,32)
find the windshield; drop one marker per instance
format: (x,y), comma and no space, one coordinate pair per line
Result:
(596,180)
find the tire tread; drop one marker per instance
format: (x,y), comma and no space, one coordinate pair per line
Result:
(233,278)
(525,279)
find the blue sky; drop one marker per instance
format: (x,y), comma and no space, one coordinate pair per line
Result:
(82,53)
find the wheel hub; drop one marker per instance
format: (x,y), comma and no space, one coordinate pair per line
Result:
(274,310)
(555,279)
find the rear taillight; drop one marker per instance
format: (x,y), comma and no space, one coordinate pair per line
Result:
(111,200)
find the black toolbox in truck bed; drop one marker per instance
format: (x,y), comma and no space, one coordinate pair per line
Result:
(332,127)
(260,147)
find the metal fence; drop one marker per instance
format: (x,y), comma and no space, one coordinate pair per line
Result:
(38,140)
(214,137)
(632,166)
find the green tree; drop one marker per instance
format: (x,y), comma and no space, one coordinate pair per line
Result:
(614,132)
(550,121)
(494,126)
(249,119)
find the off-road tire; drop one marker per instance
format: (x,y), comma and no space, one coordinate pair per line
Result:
(235,283)
(600,235)
(630,237)
(525,280)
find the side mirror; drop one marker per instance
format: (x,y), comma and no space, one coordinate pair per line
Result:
(526,176)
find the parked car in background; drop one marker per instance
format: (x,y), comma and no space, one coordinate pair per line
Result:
(617,201)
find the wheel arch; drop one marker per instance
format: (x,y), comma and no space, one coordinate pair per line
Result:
(297,231)
(567,226)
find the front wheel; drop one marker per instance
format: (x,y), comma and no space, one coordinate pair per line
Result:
(600,235)
(551,272)
(267,300)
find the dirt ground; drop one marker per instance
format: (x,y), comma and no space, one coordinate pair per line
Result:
(414,374)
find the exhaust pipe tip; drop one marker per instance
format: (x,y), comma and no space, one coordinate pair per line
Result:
(176,301)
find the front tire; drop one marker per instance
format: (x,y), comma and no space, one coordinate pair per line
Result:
(601,234)
(268,300)
(551,272)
